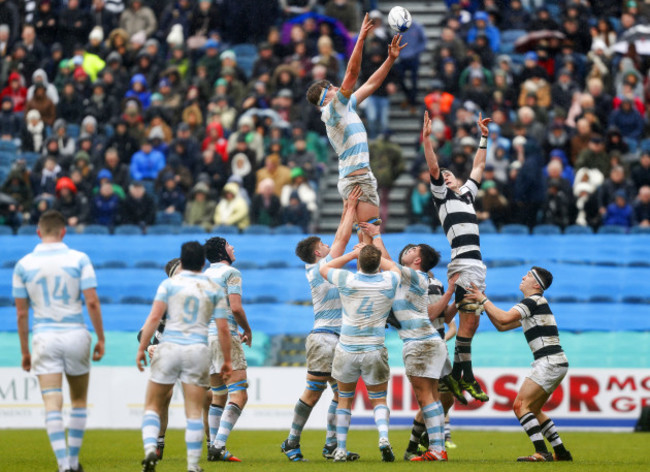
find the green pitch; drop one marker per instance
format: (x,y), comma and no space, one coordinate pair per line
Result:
(121,451)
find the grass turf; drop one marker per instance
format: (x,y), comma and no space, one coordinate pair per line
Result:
(121,450)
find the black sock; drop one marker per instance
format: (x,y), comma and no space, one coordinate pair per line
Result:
(531,426)
(552,436)
(416,432)
(464,353)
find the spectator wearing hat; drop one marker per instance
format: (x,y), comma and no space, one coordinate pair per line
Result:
(147,162)
(80,80)
(41,102)
(242,164)
(299,184)
(82,164)
(210,60)
(246,127)
(105,207)
(178,12)
(614,183)
(475,66)
(117,70)
(619,212)
(642,207)
(10,125)
(138,17)
(139,207)
(296,213)
(16,91)
(105,176)
(199,210)
(563,89)
(106,16)
(265,206)
(75,24)
(72,204)
(482,25)
(516,17)
(543,20)
(629,121)
(594,157)
(232,209)
(228,58)
(228,84)
(101,106)
(138,89)
(33,133)
(266,61)
(123,142)
(306,160)
(171,197)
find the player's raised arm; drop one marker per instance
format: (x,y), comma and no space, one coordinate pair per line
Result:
(376,79)
(429,153)
(153,320)
(373,231)
(502,320)
(481,152)
(354,64)
(340,261)
(95,313)
(344,230)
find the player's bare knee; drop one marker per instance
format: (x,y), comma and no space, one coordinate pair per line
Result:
(520,407)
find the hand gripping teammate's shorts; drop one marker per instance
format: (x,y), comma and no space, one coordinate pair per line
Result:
(471,271)
(368,184)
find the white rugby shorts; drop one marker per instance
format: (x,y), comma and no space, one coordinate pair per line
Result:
(320,351)
(188,363)
(56,352)
(547,375)
(237,356)
(368,184)
(425,358)
(371,366)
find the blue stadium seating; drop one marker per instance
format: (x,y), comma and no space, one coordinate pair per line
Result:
(163,229)
(96,229)
(514,229)
(128,230)
(72,130)
(288,229)
(640,230)
(30,158)
(223,230)
(6,230)
(29,230)
(8,146)
(164,218)
(192,229)
(418,228)
(258,229)
(246,57)
(487,227)
(578,229)
(612,229)
(547,230)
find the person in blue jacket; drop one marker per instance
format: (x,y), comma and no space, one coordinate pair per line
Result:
(482,25)
(139,89)
(147,162)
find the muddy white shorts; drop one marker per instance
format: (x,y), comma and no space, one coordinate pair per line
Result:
(188,363)
(55,352)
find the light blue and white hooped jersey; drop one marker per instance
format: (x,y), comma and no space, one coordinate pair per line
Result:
(193,301)
(229,279)
(346,133)
(53,277)
(325,298)
(366,301)
(410,306)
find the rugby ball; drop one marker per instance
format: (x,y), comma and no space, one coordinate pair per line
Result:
(399,19)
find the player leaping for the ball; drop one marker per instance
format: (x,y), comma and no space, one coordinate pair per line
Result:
(322,340)
(345,130)
(455,205)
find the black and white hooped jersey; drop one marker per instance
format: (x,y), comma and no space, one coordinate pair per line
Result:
(458,217)
(540,329)
(435,293)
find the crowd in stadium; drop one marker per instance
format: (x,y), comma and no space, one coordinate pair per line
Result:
(193,111)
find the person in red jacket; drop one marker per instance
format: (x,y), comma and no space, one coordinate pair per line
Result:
(17,91)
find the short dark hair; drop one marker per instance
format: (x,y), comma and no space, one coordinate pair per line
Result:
(545,275)
(172,266)
(369,259)
(306,248)
(404,249)
(215,249)
(51,222)
(315,90)
(430,257)
(192,256)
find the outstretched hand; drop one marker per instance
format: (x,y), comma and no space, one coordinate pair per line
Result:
(483,124)
(369,228)
(426,126)
(366,26)
(395,47)
(473,293)
(353,198)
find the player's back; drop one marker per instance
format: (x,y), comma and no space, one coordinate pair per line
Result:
(192,300)
(53,277)
(346,133)
(366,301)
(410,306)
(325,298)
(229,279)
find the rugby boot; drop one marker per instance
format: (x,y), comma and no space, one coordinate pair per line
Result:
(563,456)
(149,462)
(330,449)
(221,454)
(537,457)
(474,389)
(386,451)
(292,452)
(455,388)
(429,456)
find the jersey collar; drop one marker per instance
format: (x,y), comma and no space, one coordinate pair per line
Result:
(40,247)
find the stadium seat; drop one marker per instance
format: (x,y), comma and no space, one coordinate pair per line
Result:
(221,230)
(276,265)
(8,146)
(135,300)
(113,264)
(27,230)
(265,299)
(578,229)
(418,228)
(514,229)
(258,229)
(96,229)
(547,229)
(640,230)
(8,264)
(164,218)
(487,227)
(163,229)
(30,158)
(636,300)
(7,158)
(128,230)
(288,229)
(148,265)
(246,265)
(6,230)
(612,229)
(246,57)
(72,130)
(6,301)
(105,300)
(192,229)
(601,299)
